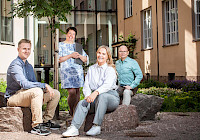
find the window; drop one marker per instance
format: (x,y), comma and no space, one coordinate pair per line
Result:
(45,29)
(45,56)
(6,22)
(147,29)
(128,8)
(197,18)
(171,22)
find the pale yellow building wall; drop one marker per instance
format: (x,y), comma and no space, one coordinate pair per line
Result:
(8,52)
(182,59)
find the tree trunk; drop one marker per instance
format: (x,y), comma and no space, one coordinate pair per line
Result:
(55,79)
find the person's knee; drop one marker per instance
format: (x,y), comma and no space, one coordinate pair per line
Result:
(102,98)
(37,92)
(72,92)
(127,92)
(56,94)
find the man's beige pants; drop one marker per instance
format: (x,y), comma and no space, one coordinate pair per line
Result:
(35,98)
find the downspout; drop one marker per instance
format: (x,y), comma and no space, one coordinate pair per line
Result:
(157,40)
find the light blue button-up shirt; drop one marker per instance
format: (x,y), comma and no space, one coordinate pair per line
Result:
(129,72)
(20,75)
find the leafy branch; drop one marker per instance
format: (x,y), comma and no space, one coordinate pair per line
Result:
(130,42)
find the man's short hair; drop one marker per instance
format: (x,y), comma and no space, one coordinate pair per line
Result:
(23,41)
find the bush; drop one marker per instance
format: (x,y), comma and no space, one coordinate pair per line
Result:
(63,98)
(161,92)
(184,85)
(3,86)
(191,86)
(151,83)
(175,100)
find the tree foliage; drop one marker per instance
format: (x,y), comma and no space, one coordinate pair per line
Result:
(130,42)
(50,9)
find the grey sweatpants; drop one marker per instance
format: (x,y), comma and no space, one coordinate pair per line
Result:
(108,101)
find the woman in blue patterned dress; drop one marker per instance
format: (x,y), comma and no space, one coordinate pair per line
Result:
(71,73)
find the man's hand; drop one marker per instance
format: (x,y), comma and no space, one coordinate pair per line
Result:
(128,87)
(92,97)
(50,90)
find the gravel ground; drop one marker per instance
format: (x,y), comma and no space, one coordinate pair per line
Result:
(166,126)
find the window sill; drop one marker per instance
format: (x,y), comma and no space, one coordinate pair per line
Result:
(7,43)
(146,49)
(127,17)
(196,40)
(175,44)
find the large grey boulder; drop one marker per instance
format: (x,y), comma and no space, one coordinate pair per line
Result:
(123,118)
(14,119)
(147,105)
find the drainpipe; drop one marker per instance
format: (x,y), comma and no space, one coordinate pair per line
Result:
(157,40)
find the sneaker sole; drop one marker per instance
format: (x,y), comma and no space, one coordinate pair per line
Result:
(93,135)
(54,128)
(43,134)
(51,128)
(70,136)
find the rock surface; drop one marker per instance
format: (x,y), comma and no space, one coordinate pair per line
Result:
(14,119)
(2,103)
(123,118)
(147,105)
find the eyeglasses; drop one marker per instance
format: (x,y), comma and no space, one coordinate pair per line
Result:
(123,51)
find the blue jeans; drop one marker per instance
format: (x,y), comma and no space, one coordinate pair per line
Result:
(108,101)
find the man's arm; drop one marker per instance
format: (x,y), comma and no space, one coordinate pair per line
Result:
(19,77)
(138,75)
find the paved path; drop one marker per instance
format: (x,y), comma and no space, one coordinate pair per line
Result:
(167,126)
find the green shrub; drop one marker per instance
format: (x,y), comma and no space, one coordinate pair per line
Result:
(151,83)
(3,85)
(161,92)
(175,100)
(185,85)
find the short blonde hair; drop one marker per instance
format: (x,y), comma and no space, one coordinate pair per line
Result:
(23,41)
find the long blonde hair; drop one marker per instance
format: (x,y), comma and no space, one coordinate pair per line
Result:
(109,60)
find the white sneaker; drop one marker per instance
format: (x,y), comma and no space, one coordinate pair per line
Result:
(95,130)
(71,132)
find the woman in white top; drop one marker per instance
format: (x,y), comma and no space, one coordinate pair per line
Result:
(100,94)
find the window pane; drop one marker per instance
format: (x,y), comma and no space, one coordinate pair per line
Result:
(149,33)
(6,22)
(145,34)
(85,5)
(106,29)
(149,42)
(145,24)
(106,5)
(145,43)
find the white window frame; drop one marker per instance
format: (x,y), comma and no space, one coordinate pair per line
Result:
(128,8)
(6,24)
(197,19)
(171,22)
(147,29)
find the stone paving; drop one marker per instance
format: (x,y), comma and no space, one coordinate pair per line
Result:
(167,126)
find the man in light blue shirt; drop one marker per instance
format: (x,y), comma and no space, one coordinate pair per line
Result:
(24,91)
(129,74)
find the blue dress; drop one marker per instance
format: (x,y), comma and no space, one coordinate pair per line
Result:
(71,74)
